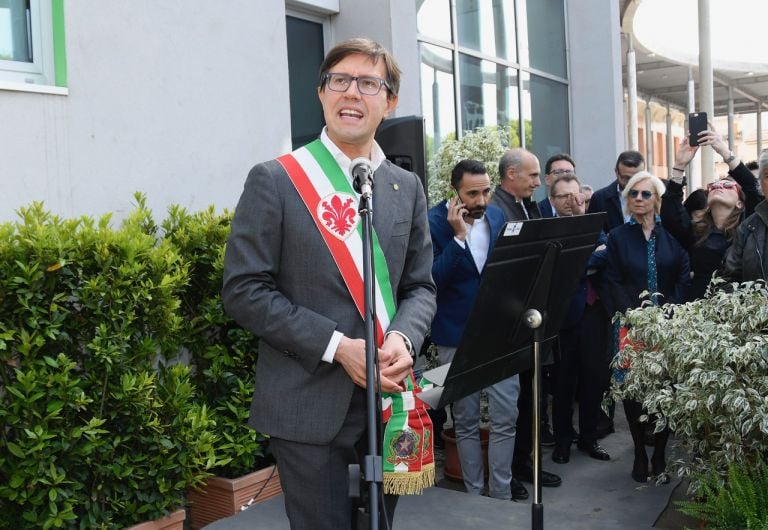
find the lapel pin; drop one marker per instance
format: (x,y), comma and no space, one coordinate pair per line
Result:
(396,187)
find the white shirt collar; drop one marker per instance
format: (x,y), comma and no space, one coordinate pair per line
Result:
(377,155)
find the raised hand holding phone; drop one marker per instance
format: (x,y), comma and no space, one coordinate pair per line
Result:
(456,214)
(697,123)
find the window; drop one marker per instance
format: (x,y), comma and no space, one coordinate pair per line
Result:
(499,63)
(305,55)
(437,96)
(32,42)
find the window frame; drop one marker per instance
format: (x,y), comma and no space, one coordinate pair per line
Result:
(47,73)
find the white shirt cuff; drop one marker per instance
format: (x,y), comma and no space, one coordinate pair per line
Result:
(462,244)
(330,351)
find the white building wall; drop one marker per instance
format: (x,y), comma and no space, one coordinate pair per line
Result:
(597,126)
(393,24)
(177,99)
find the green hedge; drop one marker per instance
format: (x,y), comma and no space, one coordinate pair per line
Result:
(100,426)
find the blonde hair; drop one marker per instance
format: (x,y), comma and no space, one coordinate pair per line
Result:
(658,187)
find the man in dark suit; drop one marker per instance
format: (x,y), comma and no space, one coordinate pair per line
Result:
(286,282)
(464,230)
(519,177)
(582,353)
(555,167)
(608,199)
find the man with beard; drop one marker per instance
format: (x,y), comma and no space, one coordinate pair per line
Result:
(464,230)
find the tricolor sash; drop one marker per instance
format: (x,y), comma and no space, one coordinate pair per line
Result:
(333,204)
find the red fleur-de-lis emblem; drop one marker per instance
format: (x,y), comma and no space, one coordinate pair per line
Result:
(338,212)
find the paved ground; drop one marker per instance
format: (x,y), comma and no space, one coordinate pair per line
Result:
(594,496)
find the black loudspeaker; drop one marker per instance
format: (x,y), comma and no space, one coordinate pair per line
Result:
(402,140)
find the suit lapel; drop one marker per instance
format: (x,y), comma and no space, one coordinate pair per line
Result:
(385,205)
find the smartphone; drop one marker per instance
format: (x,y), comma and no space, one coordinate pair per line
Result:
(697,122)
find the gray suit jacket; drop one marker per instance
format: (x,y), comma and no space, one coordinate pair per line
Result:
(281,283)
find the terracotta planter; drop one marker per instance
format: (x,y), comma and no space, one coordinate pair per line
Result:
(174,521)
(221,497)
(452,463)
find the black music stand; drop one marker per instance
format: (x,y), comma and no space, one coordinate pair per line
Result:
(524,294)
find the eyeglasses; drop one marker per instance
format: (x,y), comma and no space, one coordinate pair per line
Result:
(721,185)
(561,172)
(564,196)
(370,86)
(645,194)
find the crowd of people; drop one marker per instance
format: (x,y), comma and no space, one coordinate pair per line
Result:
(652,241)
(293,276)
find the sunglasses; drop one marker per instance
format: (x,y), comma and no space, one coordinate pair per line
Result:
(645,194)
(721,185)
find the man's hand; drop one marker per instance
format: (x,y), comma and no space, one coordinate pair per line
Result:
(350,354)
(456,212)
(398,363)
(578,202)
(394,361)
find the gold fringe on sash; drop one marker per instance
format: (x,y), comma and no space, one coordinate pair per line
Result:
(409,482)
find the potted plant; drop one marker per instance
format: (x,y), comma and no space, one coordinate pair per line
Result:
(702,369)
(97,431)
(738,500)
(223,356)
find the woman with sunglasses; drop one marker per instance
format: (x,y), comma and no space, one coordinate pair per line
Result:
(708,237)
(642,256)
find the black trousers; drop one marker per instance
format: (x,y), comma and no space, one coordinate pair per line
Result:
(315,478)
(580,374)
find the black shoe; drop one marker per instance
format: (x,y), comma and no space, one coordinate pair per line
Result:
(548,480)
(659,472)
(546,438)
(561,454)
(594,450)
(519,493)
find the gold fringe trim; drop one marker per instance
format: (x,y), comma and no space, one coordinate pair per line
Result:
(411,482)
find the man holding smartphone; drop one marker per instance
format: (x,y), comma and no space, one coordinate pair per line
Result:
(464,230)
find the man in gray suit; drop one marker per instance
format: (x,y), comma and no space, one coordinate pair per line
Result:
(284,283)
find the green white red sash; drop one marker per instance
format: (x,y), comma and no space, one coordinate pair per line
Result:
(332,203)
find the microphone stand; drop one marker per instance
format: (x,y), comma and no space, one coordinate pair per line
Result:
(373,470)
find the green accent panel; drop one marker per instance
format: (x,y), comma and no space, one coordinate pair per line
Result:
(59,44)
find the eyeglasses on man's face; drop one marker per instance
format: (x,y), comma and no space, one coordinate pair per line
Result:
(645,194)
(561,172)
(367,85)
(721,185)
(562,196)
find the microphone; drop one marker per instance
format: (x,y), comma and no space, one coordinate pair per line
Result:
(361,171)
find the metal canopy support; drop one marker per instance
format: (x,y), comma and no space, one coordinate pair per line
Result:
(632,93)
(759,128)
(649,162)
(731,132)
(694,168)
(706,86)
(670,146)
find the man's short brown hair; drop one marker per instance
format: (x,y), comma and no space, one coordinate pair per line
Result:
(373,50)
